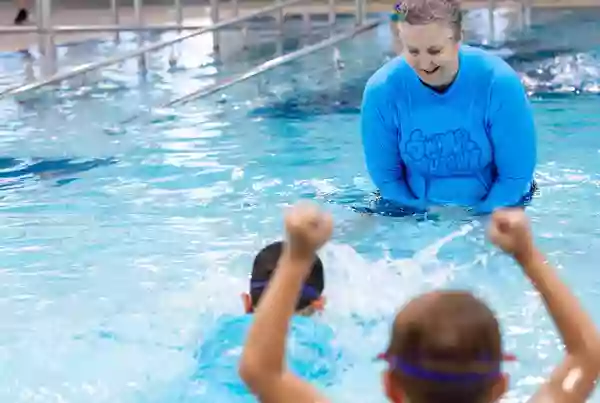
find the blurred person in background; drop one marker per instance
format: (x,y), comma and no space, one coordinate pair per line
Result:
(22,14)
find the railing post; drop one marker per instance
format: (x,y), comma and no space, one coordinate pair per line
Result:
(492,18)
(244,27)
(279,16)
(306,22)
(173,55)
(360,11)
(525,13)
(245,37)
(279,45)
(178,13)
(114,8)
(137,11)
(332,13)
(214,16)
(29,70)
(139,21)
(46,38)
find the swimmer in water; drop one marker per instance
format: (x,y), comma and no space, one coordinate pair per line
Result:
(445,346)
(217,358)
(311,299)
(445,123)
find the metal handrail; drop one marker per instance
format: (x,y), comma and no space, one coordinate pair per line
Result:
(271,64)
(85,68)
(66,29)
(266,66)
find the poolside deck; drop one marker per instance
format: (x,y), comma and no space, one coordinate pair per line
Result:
(94,13)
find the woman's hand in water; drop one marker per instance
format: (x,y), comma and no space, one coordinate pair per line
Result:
(308,228)
(509,230)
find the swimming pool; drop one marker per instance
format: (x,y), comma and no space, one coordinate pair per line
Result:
(121,249)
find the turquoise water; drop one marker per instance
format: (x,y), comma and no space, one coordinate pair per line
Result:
(121,249)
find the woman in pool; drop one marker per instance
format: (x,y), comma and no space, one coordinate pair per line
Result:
(446,123)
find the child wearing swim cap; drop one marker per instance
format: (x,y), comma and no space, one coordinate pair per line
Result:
(311,299)
(311,353)
(445,347)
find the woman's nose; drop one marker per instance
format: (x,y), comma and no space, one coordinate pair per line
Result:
(424,62)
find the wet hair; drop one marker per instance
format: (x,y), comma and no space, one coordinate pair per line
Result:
(265,264)
(448,352)
(421,12)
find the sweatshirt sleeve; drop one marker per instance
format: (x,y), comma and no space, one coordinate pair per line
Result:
(513,137)
(380,138)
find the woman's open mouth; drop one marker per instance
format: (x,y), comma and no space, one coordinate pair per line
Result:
(429,72)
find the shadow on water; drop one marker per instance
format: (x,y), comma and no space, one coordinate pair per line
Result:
(16,173)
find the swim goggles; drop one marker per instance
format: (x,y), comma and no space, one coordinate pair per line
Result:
(410,369)
(308,292)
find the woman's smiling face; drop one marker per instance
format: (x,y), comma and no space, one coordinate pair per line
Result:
(432,51)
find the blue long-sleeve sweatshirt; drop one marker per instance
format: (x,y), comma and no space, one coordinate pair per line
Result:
(473,145)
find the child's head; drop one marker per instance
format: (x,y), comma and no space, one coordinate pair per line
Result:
(445,347)
(264,265)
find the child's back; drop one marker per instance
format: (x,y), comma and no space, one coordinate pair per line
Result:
(311,353)
(311,349)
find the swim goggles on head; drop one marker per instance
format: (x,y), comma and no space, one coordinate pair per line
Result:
(419,372)
(308,292)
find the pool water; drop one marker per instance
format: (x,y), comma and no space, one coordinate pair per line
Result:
(121,249)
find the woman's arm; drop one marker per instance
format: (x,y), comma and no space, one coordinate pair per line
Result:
(512,134)
(380,138)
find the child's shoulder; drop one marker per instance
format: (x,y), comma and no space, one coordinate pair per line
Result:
(312,350)
(225,338)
